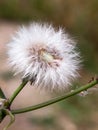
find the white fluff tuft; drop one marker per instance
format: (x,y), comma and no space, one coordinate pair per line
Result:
(49,54)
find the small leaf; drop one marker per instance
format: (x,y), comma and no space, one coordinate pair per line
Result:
(2,94)
(2,115)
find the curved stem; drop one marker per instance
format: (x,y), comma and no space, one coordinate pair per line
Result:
(12,119)
(57,99)
(24,82)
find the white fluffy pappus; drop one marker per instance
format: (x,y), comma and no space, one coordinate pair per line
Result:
(50,55)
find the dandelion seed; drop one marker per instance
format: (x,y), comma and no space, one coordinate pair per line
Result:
(39,50)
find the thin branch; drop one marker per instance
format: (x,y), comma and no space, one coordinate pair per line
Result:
(22,85)
(57,99)
(12,119)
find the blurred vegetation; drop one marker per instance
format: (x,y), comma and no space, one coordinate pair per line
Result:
(46,123)
(80,110)
(80,19)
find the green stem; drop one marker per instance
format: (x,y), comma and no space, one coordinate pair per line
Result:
(57,99)
(24,82)
(12,119)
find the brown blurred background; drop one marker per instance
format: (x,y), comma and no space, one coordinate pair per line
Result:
(80,20)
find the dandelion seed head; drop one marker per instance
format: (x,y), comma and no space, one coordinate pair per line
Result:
(49,54)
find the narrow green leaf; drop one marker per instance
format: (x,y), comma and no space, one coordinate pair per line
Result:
(2,94)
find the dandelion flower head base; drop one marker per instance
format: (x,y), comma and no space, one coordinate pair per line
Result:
(41,51)
(44,56)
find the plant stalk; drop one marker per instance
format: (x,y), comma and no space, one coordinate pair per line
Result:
(54,100)
(17,91)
